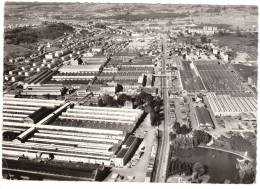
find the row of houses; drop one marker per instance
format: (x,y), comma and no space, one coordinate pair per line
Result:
(24,72)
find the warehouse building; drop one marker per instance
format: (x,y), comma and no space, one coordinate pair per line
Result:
(203,118)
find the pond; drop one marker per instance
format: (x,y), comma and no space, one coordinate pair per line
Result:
(221,165)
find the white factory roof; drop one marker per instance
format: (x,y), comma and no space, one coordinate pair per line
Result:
(226,104)
(79,68)
(62,128)
(73,77)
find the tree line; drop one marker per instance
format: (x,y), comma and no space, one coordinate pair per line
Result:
(194,169)
(151,105)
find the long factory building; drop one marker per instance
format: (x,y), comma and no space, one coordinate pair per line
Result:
(20,109)
(67,143)
(227,105)
(43,89)
(31,102)
(102,130)
(92,68)
(103,117)
(203,117)
(73,77)
(106,113)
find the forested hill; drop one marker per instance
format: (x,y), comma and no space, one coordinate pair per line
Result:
(32,35)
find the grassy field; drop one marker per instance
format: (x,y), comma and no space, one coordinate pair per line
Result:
(11,50)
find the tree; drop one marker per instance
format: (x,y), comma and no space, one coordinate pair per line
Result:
(109,101)
(123,98)
(157,109)
(247,172)
(184,129)
(148,108)
(143,97)
(119,88)
(51,156)
(199,169)
(203,39)
(249,177)
(153,118)
(200,136)
(100,102)
(64,91)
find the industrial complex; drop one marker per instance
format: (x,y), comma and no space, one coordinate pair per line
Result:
(129,97)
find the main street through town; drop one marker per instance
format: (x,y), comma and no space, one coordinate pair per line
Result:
(165,143)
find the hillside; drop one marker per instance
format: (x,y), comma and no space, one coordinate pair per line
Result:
(33,35)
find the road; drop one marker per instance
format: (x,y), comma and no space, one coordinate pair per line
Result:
(165,143)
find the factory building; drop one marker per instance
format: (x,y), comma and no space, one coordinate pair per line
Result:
(27,110)
(93,68)
(66,143)
(126,118)
(31,102)
(44,89)
(127,151)
(72,77)
(227,105)
(41,77)
(203,117)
